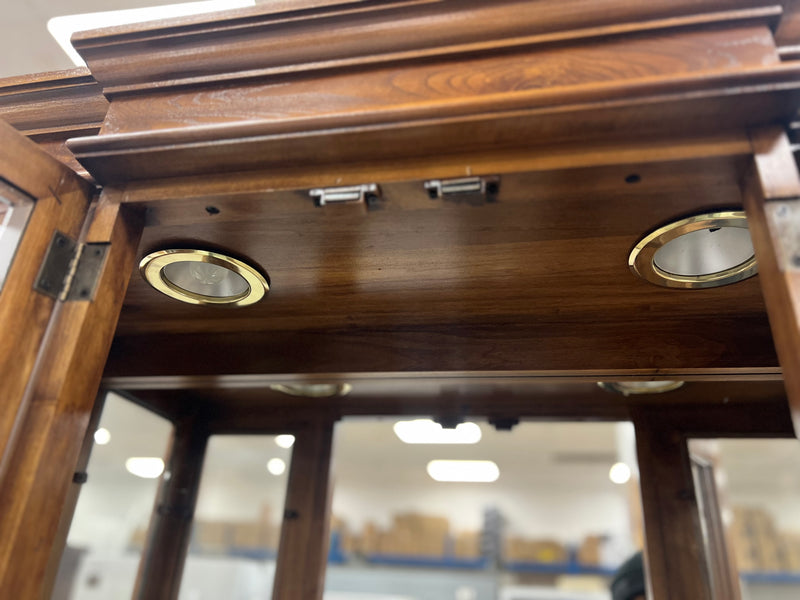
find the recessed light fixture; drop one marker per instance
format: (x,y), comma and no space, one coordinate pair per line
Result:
(147,467)
(620,473)
(102,436)
(312,390)
(202,277)
(708,250)
(425,431)
(464,471)
(639,387)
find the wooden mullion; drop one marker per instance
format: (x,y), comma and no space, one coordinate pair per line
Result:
(772,200)
(303,551)
(674,554)
(164,556)
(60,398)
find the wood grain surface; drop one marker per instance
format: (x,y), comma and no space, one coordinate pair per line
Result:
(204,49)
(303,549)
(284,97)
(774,177)
(59,400)
(164,554)
(61,203)
(536,280)
(675,560)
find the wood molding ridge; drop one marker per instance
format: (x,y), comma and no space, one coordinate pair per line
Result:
(137,59)
(59,103)
(514,118)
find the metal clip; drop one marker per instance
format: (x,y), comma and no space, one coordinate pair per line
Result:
(367,193)
(464,186)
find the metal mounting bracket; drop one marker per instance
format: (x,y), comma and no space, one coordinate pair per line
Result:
(367,193)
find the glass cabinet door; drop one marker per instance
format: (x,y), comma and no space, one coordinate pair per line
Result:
(15,208)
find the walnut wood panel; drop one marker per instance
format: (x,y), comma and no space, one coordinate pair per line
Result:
(71,501)
(535,281)
(674,556)
(700,408)
(283,98)
(303,550)
(774,176)
(788,32)
(60,103)
(164,554)
(61,203)
(250,42)
(529,120)
(60,398)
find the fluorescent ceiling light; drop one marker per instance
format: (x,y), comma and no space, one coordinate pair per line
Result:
(102,436)
(468,471)
(147,467)
(285,440)
(62,28)
(425,431)
(620,473)
(276,466)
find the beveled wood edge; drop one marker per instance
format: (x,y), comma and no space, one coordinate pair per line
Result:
(53,105)
(183,382)
(239,66)
(47,80)
(214,145)
(540,102)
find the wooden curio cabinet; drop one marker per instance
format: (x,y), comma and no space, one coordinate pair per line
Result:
(438,192)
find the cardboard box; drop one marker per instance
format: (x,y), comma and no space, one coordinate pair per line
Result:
(589,551)
(534,551)
(467,544)
(213,536)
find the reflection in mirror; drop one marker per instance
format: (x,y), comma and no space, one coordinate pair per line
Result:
(237,518)
(15,208)
(108,529)
(559,513)
(758,490)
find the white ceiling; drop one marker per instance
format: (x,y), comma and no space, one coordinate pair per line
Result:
(29,47)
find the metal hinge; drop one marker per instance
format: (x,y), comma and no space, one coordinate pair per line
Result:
(70,270)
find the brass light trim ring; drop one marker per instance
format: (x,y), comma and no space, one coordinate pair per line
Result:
(152,269)
(641,259)
(632,388)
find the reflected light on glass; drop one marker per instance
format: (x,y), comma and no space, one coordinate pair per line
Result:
(285,440)
(147,467)
(425,431)
(102,436)
(206,279)
(705,251)
(276,466)
(620,473)
(466,471)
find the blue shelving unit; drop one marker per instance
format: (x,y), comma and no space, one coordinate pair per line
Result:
(562,568)
(774,578)
(447,562)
